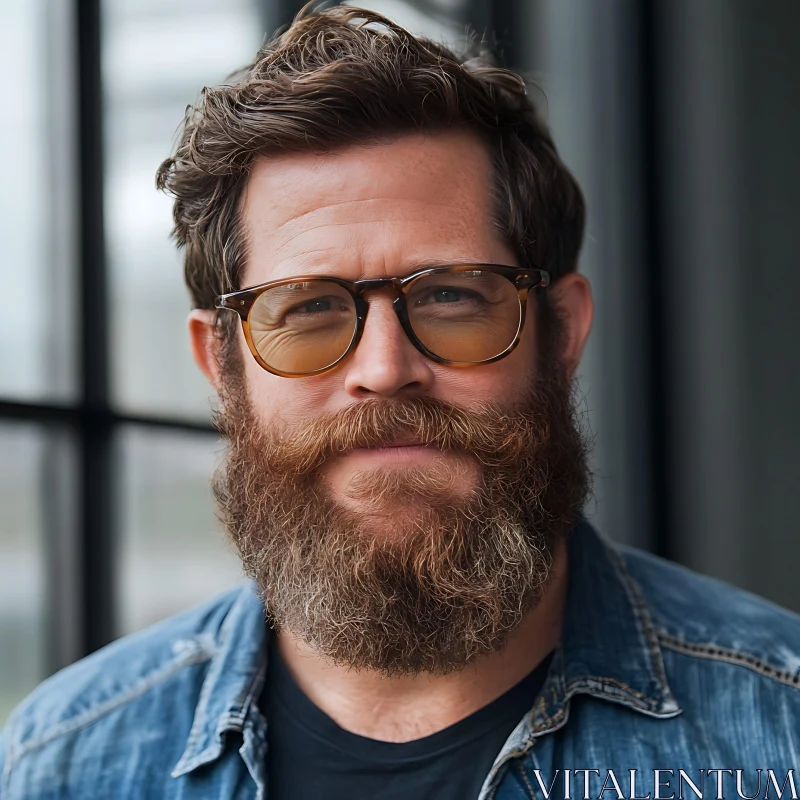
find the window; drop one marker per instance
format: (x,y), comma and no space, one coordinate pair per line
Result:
(106,517)
(22,561)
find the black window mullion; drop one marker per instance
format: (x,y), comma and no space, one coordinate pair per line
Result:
(655,287)
(95,426)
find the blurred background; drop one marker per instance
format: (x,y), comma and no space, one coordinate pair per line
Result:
(681,121)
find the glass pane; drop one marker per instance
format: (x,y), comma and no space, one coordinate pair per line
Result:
(173,553)
(36,202)
(156,58)
(22,568)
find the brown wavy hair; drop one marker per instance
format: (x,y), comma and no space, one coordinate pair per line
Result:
(346,75)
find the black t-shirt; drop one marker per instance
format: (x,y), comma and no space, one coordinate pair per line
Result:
(310,757)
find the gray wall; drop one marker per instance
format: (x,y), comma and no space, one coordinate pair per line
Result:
(584,57)
(724,181)
(730,82)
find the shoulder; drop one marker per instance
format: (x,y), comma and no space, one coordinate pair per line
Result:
(167,656)
(708,619)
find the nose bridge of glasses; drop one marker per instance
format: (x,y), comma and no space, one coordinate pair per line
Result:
(371,284)
(379,284)
(376,284)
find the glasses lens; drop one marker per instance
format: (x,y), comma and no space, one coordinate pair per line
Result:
(303,327)
(469,315)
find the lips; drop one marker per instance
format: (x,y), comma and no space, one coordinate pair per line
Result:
(396,444)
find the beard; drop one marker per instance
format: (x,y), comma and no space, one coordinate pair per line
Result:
(416,574)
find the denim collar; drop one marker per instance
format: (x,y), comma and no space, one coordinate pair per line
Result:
(228,701)
(608,649)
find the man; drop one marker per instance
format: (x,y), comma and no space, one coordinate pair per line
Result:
(381,244)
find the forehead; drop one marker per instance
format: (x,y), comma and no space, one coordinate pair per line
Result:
(370,210)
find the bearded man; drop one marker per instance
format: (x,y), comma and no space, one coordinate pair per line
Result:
(381,244)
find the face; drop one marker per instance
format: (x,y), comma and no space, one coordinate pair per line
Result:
(374,487)
(370,212)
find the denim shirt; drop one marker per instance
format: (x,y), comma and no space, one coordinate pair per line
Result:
(658,668)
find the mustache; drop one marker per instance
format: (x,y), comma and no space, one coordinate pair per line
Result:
(495,437)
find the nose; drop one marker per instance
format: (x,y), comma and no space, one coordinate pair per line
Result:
(385,363)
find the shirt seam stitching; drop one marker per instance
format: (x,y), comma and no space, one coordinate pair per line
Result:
(524,773)
(93,714)
(644,618)
(714,652)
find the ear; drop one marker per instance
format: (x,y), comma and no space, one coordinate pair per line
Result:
(572,296)
(205,344)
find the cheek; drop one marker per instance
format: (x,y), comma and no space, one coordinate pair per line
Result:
(525,357)
(264,390)
(284,401)
(500,383)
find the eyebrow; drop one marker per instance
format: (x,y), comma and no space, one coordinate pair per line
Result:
(442,262)
(431,263)
(414,266)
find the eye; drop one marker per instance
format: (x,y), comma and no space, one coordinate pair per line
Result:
(446,296)
(316,306)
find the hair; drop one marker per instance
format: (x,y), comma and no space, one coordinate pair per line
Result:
(346,75)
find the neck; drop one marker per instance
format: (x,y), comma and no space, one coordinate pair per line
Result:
(403,708)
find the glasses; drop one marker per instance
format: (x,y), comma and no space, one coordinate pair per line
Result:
(461,315)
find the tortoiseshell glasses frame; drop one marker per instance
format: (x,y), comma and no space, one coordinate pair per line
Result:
(523,279)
